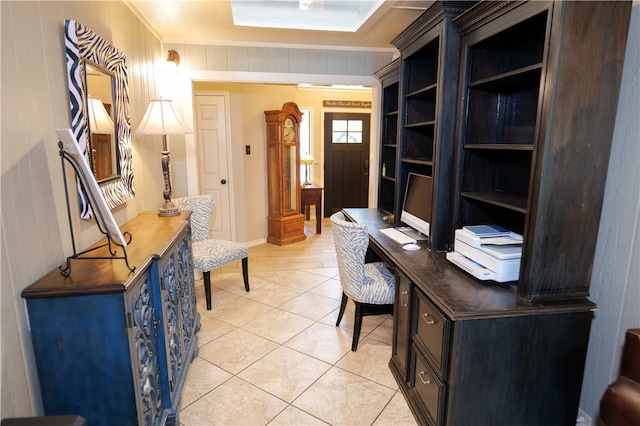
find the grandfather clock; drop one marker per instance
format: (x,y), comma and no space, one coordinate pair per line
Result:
(286,223)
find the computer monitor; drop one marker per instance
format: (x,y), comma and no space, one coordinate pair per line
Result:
(416,209)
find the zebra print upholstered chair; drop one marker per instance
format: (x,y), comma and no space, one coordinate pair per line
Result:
(370,285)
(209,254)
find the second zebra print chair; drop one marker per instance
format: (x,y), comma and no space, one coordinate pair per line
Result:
(370,285)
(209,254)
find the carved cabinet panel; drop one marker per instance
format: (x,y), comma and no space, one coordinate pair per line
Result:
(143,324)
(112,345)
(178,304)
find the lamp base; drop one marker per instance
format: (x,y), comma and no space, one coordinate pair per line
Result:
(306,183)
(168,209)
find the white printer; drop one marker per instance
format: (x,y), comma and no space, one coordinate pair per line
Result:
(488,255)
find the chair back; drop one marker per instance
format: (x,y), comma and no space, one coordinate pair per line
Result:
(202,207)
(351,240)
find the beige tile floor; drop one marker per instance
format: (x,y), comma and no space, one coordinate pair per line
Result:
(274,356)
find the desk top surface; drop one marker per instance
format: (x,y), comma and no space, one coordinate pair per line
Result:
(457,293)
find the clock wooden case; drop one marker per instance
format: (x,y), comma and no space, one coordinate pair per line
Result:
(285,222)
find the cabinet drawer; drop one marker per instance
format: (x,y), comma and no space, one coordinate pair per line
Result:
(432,333)
(430,390)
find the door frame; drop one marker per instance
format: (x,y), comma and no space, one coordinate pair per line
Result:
(184,95)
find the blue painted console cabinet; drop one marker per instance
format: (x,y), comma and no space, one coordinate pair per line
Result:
(112,345)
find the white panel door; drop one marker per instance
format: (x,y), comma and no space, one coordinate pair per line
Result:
(213,161)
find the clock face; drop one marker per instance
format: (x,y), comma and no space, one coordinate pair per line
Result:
(288,131)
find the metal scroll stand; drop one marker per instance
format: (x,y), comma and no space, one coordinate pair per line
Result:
(111,242)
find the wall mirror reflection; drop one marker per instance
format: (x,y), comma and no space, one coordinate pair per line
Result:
(99,104)
(101,123)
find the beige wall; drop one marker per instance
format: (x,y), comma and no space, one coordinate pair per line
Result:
(35,232)
(247,104)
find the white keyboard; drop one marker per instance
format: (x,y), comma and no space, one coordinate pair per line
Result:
(398,236)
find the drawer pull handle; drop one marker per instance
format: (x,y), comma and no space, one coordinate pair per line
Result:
(425,316)
(405,302)
(421,374)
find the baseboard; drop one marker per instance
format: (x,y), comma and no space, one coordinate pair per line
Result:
(257,242)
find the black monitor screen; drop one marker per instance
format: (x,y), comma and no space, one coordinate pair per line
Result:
(417,200)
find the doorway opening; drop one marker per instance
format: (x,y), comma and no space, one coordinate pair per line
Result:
(248,209)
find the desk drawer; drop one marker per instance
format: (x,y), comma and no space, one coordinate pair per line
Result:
(428,387)
(432,333)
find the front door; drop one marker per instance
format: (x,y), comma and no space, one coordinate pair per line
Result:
(213,163)
(346,166)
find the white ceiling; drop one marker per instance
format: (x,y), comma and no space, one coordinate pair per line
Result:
(321,15)
(211,21)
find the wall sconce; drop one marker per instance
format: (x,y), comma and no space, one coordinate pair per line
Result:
(173,60)
(162,118)
(307,160)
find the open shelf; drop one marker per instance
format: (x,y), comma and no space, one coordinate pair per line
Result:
(497,176)
(390,128)
(422,68)
(511,147)
(501,199)
(418,143)
(513,80)
(504,78)
(502,117)
(479,208)
(418,162)
(428,93)
(389,76)
(429,85)
(420,125)
(515,48)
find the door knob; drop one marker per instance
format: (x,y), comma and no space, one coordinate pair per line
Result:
(223,181)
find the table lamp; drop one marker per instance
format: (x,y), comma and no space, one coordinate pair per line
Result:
(162,118)
(307,160)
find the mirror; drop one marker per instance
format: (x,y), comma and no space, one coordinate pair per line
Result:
(97,77)
(101,122)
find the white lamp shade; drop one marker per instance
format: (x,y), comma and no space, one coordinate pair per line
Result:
(99,120)
(162,118)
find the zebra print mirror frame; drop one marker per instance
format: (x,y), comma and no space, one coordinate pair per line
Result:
(82,44)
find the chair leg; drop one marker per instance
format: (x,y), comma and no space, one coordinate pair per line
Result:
(343,305)
(245,272)
(357,326)
(207,288)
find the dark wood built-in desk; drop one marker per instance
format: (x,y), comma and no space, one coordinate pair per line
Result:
(112,345)
(312,195)
(466,352)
